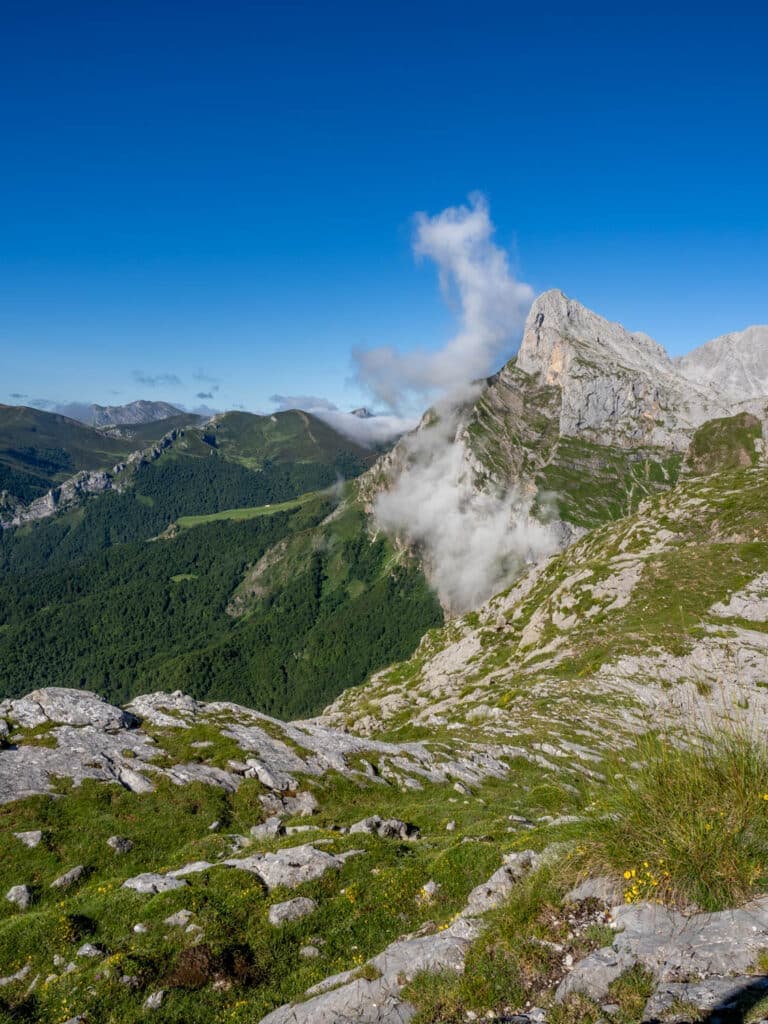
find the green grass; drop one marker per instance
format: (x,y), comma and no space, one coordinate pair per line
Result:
(684,824)
(238,514)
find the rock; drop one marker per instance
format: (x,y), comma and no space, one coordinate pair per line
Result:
(605,889)
(179,920)
(150,883)
(4,731)
(30,839)
(90,951)
(451,826)
(193,929)
(268,829)
(155,1000)
(120,844)
(68,878)
(190,869)
(20,975)
(289,867)
(141,928)
(309,952)
(672,946)
(492,893)
(65,706)
(303,804)
(387,828)
(593,975)
(291,910)
(707,996)
(214,826)
(20,896)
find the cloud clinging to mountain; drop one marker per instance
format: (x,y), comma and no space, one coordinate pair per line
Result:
(474,274)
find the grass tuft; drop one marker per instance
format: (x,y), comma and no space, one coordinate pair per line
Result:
(685,824)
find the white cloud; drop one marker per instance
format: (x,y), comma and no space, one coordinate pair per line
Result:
(369,431)
(492,305)
(472,542)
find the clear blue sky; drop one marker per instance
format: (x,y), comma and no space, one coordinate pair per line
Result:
(224,193)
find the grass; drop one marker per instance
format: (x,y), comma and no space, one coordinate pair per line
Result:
(686,824)
(239,514)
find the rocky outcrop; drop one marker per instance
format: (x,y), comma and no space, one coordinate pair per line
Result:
(84,737)
(78,488)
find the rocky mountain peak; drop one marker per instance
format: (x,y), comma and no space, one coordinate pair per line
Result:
(558,328)
(734,364)
(141,411)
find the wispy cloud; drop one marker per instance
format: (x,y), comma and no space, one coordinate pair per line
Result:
(18,394)
(204,394)
(155,380)
(369,431)
(475,275)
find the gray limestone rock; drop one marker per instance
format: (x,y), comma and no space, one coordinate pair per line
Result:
(195,867)
(289,867)
(89,951)
(707,995)
(151,883)
(20,896)
(605,889)
(155,1000)
(30,839)
(69,877)
(291,910)
(120,844)
(387,828)
(66,706)
(595,974)
(268,829)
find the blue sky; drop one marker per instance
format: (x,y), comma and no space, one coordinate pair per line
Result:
(218,199)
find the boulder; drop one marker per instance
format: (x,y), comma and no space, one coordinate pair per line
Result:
(289,867)
(268,829)
(387,828)
(291,910)
(30,839)
(120,844)
(20,896)
(69,877)
(66,706)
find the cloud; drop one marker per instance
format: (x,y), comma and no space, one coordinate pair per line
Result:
(204,394)
(472,542)
(475,276)
(157,380)
(18,394)
(368,431)
(309,403)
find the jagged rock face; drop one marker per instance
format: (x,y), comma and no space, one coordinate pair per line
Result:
(76,489)
(734,364)
(618,387)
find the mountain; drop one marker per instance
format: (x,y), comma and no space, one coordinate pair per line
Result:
(734,365)
(549,808)
(491,826)
(133,412)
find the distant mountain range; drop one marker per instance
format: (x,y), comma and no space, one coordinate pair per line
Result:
(134,412)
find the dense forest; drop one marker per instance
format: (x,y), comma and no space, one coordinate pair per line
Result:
(96,598)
